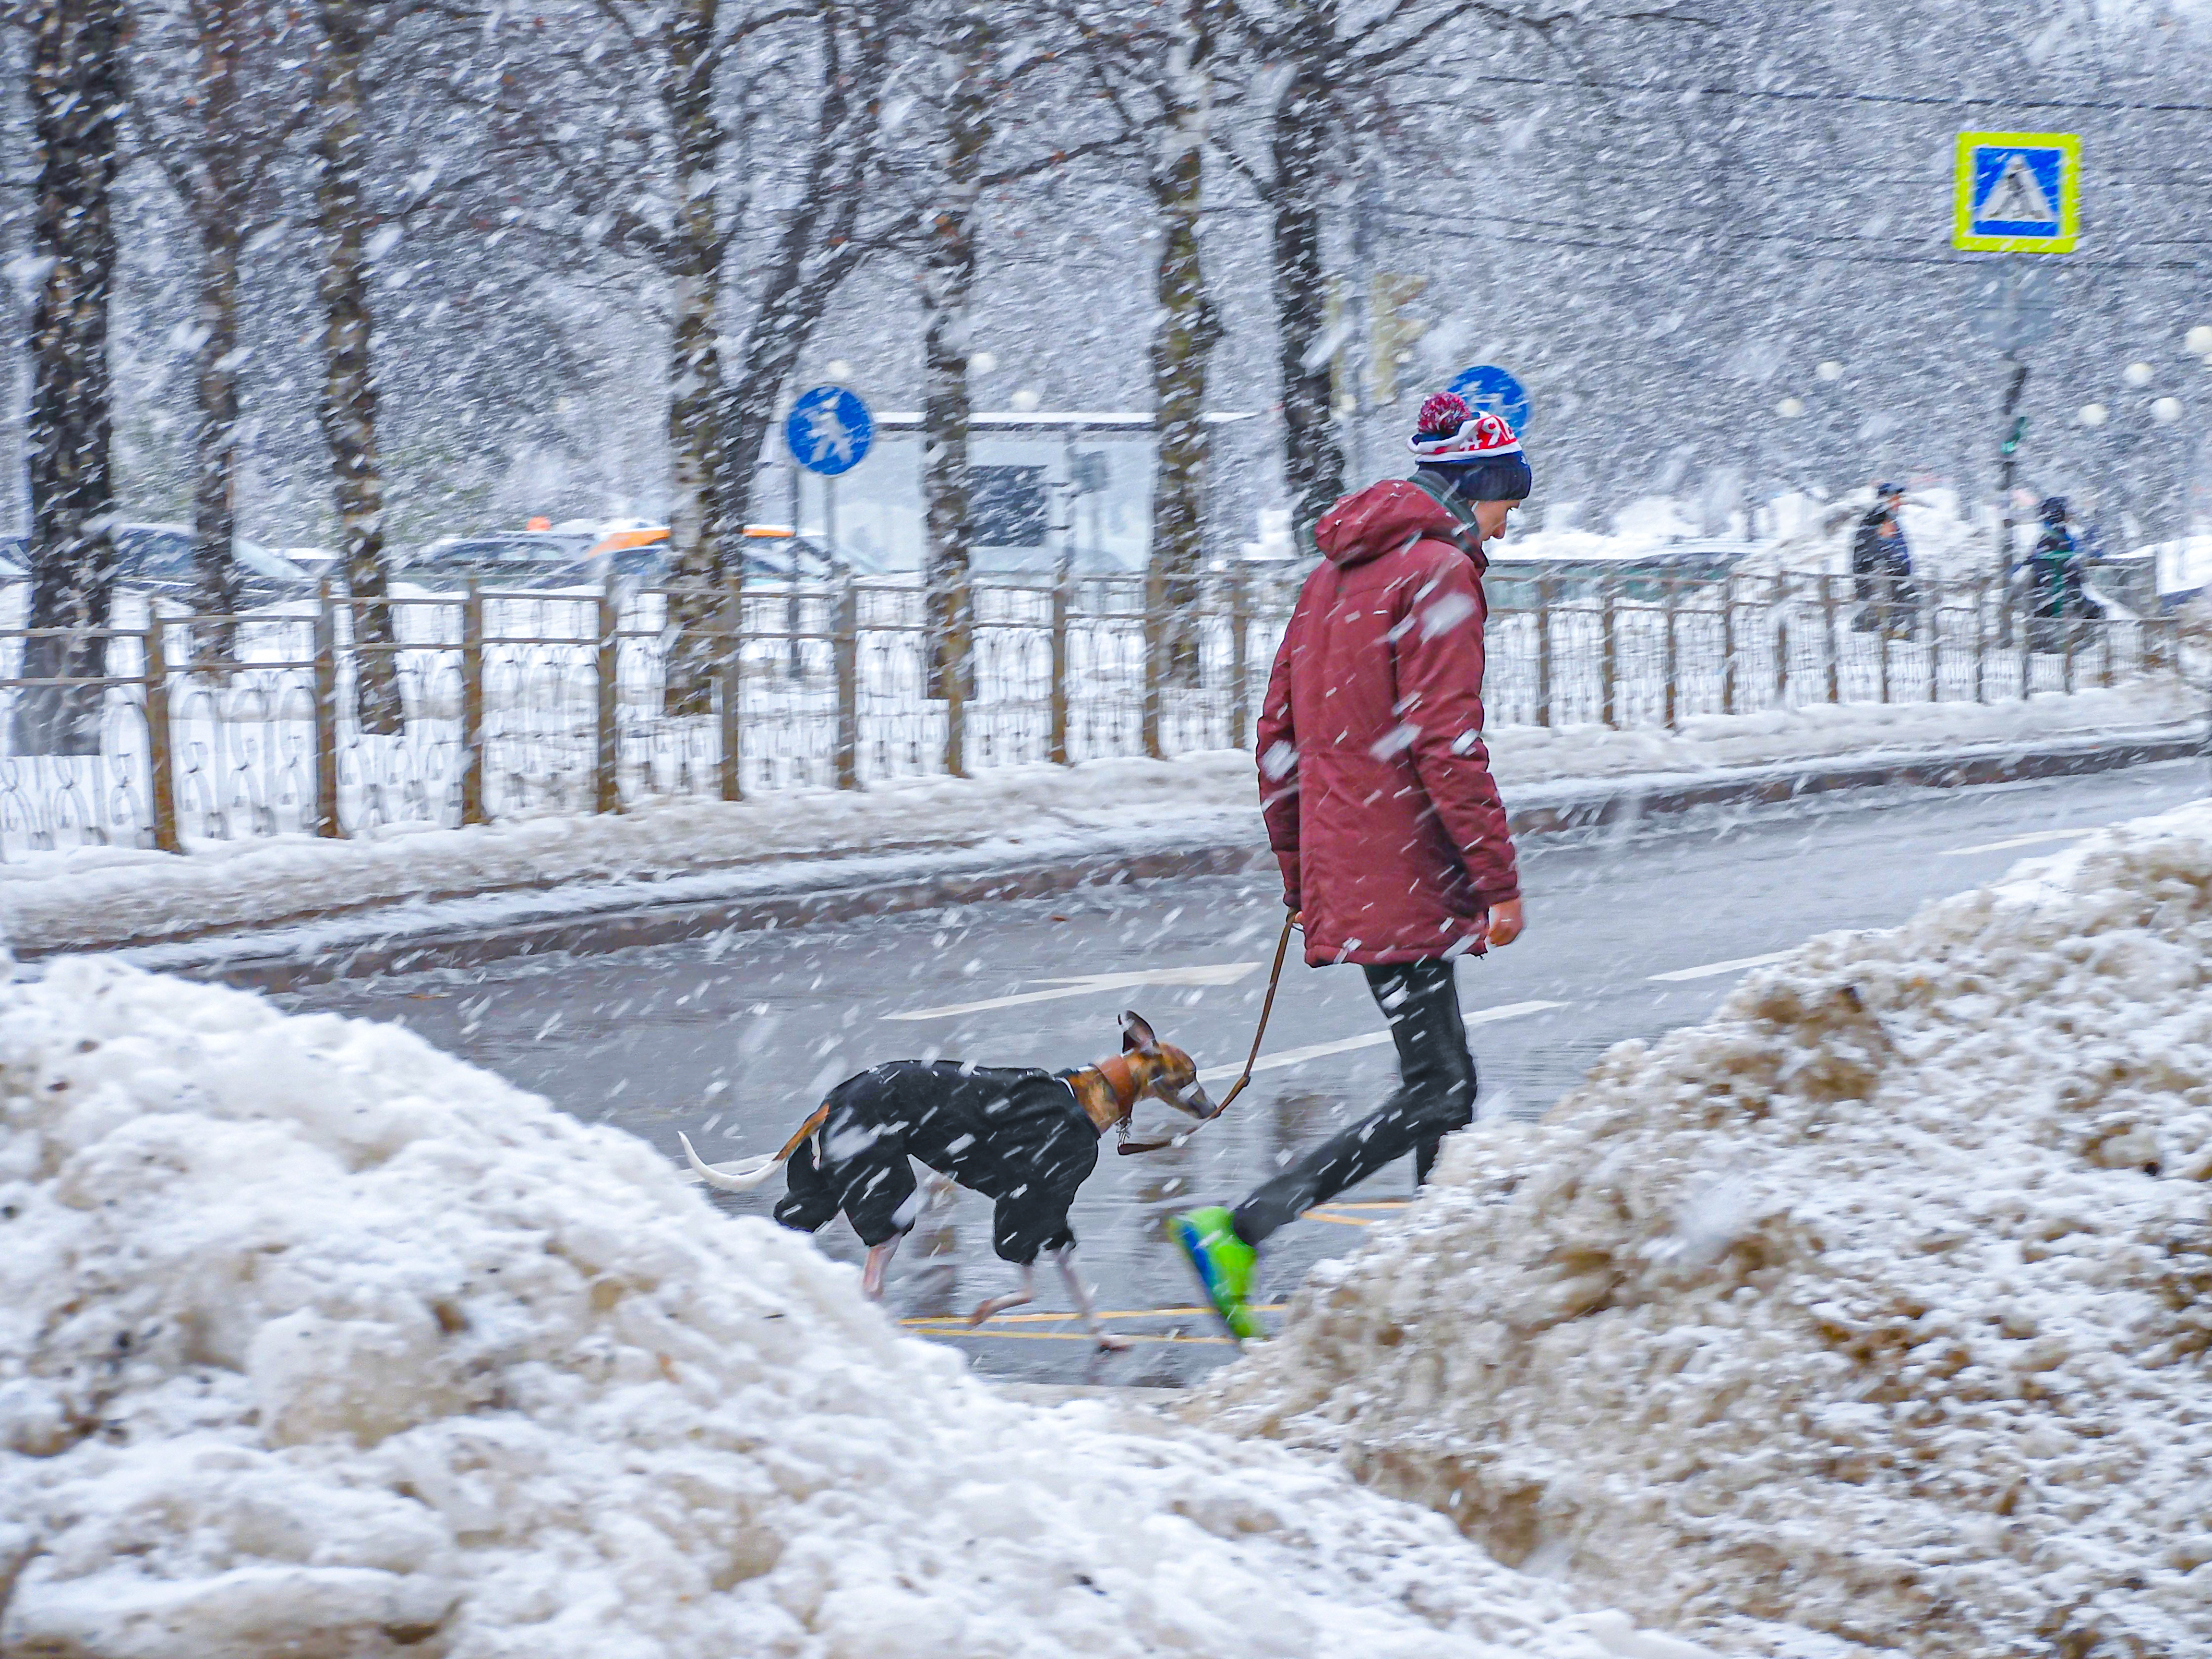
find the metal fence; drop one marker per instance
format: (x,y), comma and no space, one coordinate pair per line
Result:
(517,704)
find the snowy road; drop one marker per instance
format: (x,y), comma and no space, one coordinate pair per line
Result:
(732,1040)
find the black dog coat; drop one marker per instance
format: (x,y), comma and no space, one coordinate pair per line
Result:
(1015,1135)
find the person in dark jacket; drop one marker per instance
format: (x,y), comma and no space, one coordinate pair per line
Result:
(1380,806)
(2055,593)
(1881,568)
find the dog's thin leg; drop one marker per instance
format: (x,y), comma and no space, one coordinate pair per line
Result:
(1081,1293)
(998,1304)
(879,1260)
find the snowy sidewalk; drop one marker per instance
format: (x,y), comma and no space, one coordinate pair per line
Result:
(940,839)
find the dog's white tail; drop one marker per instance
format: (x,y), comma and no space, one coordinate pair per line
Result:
(739,1177)
(748,1173)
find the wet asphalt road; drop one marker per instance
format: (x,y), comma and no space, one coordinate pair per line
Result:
(734,1039)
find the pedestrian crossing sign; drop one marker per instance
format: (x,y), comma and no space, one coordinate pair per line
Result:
(2017,192)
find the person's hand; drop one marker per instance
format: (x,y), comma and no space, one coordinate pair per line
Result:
(1506,921)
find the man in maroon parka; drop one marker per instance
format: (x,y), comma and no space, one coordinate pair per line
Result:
(1380,805)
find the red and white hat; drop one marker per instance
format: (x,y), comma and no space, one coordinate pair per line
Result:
(1448,431)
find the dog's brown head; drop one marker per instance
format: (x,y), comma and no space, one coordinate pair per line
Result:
(1162,1070)
(1110,1089)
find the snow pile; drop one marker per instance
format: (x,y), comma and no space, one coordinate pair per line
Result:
(315,1341)
(1879,1304)
(104,895)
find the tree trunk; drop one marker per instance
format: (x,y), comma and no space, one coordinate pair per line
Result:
(222,216)
(1182,346)
(347,408)
(76,90)
(215,435)
(694,403)
(1313,461)
(948,279)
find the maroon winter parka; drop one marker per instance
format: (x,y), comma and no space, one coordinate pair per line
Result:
(1373,776)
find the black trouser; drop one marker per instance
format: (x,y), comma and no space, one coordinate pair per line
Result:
(1436,1096)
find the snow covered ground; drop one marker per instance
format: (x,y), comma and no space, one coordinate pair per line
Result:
(1880,1304)
(314,1340)
(94,896)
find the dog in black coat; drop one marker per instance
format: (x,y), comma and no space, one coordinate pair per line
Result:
(1026,1139)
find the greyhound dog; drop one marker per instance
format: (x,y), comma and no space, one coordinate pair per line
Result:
(1026,1139)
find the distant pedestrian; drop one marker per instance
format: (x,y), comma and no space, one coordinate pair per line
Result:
(1881,568)
(2057,595)
(1380,805)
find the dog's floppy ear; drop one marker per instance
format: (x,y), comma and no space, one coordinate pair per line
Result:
(1135,1033)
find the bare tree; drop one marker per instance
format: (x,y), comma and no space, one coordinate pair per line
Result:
(963,45)
(347,410)
(77,86)
(1327,71)
(823,240)
(212,127)
(973,63)
(657,194)
(1159,74)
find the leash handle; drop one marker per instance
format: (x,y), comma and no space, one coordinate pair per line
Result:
(1267,1008)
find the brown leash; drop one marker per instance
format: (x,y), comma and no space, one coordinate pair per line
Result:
(1267,1008)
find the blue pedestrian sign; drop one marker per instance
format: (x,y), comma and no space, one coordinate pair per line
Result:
(1491,390)
(829,430)
(2016,192)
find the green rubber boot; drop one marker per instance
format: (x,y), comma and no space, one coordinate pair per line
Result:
(1225,1266)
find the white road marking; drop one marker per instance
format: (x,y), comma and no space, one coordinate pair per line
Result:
(2035,840)
(1226,973)
(1735,966)
(1371,1039)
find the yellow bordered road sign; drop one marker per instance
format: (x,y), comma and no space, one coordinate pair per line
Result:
(2016,192)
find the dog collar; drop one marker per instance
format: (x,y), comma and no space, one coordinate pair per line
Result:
(1097,1093)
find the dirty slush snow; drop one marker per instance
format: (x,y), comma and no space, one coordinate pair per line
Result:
(316,1340)
(1879,1304)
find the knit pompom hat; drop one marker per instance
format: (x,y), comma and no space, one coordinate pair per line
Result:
(1448,433)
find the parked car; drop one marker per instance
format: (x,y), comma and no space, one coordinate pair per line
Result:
(640,557)
(157,558)
(505,559)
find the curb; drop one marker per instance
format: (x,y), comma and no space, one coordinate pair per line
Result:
(840,890)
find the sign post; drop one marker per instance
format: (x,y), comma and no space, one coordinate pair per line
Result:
(2017,193)
(829,432)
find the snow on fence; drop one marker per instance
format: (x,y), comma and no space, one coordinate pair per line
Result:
(525,702)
